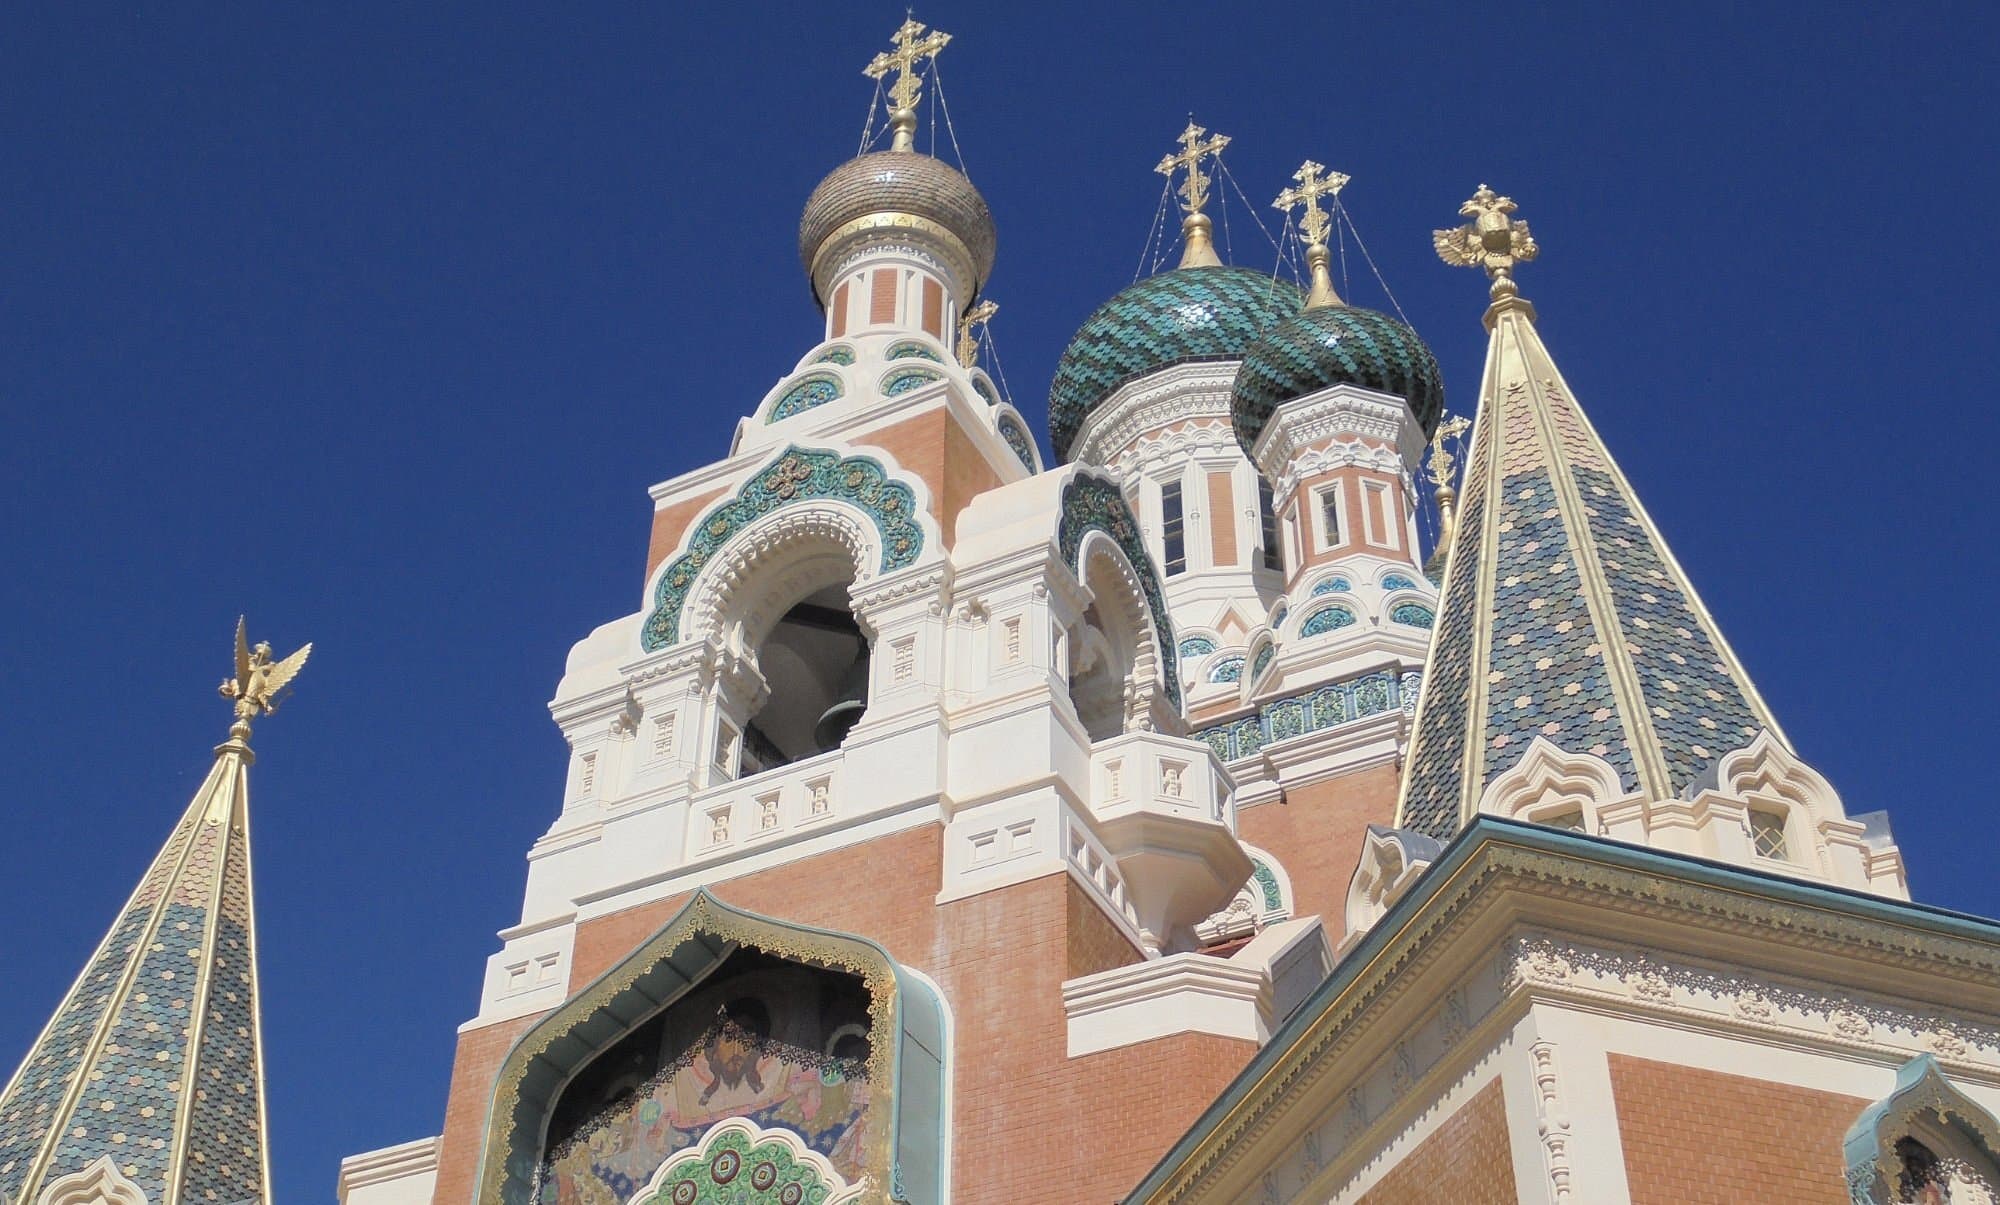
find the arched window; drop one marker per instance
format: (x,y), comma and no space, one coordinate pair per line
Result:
(733,1047)
(1926,1143)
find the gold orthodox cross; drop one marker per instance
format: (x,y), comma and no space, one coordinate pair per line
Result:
(1313,183)
(968,343)
(1442,460)
(913,46)
(1194,190)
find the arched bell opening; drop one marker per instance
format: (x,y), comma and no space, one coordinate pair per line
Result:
(814,661)
(1113,650)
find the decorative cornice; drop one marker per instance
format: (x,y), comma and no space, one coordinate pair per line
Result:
(1199,389)
(1341,411)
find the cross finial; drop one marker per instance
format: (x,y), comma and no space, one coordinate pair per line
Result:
(1442,473)
(1199,246)
(1315,224)
(1492,240)
(968,342)
(913,46)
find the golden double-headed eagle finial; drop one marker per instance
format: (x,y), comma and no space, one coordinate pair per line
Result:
(259,682)
(1492,240)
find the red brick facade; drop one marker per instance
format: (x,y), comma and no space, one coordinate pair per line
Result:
(1465,1161)
(1697,1136)
(1315,831)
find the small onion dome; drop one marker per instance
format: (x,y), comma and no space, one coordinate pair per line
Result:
(1201,313)
(887,189)
(1334,345)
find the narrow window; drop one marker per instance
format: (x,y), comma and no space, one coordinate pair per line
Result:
(1329,514)
(1173,528)
(1767,835)
(1267,514)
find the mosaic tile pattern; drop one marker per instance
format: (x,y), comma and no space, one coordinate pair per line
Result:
(1415,615)
(1017,438)
(1545,672)
(913,351)
(1333,585)
(1229,669)
(1396,581)
(124,1038)
(813,391)
(1334,345)
(1320,708)
(980,387)
(1210,313)
(1263,661)
(903,380)
(1697,708)
(1327,619)
(1095,503)
(801,474)
(224,1161)
(1197,646)
(1549,669)
(835,355)
(1437,748)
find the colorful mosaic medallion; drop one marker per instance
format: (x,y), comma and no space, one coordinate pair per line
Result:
(1326,619)
(1333,585)
(814,391)
(1017,438)
(1396,581)
(913,351)
(905,379)
(800,475)
(737,1163)
(835,355)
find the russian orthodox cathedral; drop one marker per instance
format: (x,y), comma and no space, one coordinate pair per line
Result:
(1180,830)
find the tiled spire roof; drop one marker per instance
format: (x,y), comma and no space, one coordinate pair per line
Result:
(152,1061)
(1564,615)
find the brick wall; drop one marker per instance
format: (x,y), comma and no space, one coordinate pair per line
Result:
(1465,1161)
(669,523)
(1315,831)
(1693,1136)
(1000,958)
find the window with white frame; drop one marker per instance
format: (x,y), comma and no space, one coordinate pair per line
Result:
(1328,511)
(1267,525)
(1173,529)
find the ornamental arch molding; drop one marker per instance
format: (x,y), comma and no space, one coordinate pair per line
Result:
(1119,599)
(99,1184)
(892,508)
(784,556)
(1092,502)
(1548,781)
(901,1144)
(1925,1141)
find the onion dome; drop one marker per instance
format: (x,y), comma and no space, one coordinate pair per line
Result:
(1189,314)
(919,197)
(1335,345)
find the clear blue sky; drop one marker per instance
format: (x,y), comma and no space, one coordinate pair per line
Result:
(375,322)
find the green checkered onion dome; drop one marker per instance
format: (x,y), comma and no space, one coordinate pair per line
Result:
(1208,313)
(1335,345)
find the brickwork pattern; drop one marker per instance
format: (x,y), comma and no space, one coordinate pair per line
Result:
(1316,833)
(1000,958)
(1693,1136)
(1465,1161)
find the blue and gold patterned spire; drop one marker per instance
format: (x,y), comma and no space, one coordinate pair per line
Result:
(1564,616)
(147,1085)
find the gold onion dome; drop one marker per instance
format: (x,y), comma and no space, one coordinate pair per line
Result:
(920,198)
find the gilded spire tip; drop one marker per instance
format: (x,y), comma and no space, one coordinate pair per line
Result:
(1315,224)
(914,44)
(1197,230)
(259,682)
(1492,240)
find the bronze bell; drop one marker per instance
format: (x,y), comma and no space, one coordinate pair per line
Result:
(850,701)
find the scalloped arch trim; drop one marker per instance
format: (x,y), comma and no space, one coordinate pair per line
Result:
(1092,503)
(797,475)
(738,1160)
